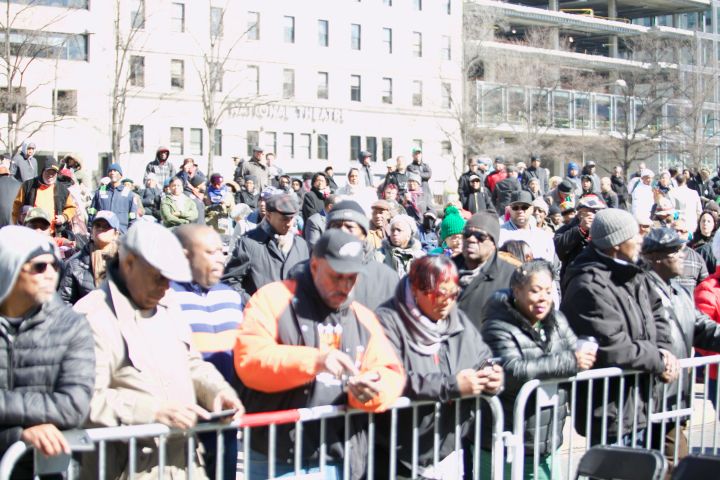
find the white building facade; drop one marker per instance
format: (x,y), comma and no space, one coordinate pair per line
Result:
(314,81)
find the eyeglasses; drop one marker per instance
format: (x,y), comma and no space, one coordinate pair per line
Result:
(478,235)
(38,268)
(517,208)
(443,294)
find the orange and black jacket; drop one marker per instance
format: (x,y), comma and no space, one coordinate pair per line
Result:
(276,359)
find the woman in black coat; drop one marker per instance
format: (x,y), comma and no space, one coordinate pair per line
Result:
(534,342)
(314,200)
(443,355)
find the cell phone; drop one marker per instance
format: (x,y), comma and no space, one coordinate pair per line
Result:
(217,416)
(489,362)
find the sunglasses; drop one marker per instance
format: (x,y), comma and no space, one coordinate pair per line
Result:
(479,236)
(517,208)
(38,268)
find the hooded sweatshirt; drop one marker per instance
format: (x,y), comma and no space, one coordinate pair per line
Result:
(17,246)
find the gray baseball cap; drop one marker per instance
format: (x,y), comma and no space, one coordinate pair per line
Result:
(160,248)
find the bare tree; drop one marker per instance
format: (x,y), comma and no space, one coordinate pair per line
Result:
(123,71)
(21,51)
(218,59)
(642,95)
(692,118)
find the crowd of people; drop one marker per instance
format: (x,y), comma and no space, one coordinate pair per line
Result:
(193,294)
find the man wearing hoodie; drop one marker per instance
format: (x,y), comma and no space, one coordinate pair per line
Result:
(24,165)
(117,198)
(573,175)
(52,344)
(46,192)
(163,169)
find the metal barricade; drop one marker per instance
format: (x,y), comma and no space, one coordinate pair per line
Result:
(97,440)
(669,410)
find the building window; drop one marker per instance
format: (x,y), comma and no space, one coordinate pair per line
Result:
(417,144)
(448,6)
(253,79)
(177,141)
(13,101)
(137,14)
(288,83)
(216,76)
(217,147)
(177,20)
(355,33)
(271,142)
(289,29)
(253,26)
(417,44)
(354,147)
(417,95)
(371,146)
(53,45)
(446,91)
(55,3)
(387,39)
(287,150)
(65,103)
(253,140)
(322,86)
(387,90)
(355,88)
(445,49)
(387,148)
(322,146)
(323,33)
(445,147)
(216,21)
(304,149)
(177,74)
(417,4)
(387,3)
(137,71)
(196,141)
(137,139)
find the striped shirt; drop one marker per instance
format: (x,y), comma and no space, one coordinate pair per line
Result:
(214,316)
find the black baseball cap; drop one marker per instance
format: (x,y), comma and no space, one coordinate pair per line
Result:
(344,252)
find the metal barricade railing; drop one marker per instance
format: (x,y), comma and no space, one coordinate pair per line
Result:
(97,440)
(669,408)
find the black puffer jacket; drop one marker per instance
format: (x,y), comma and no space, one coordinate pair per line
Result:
(526,356)
(77,279)
(613,302)
(431,377)
(47,371)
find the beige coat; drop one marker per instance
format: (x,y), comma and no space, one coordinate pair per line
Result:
(143,363)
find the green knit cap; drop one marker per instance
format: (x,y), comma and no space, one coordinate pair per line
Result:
(452,224)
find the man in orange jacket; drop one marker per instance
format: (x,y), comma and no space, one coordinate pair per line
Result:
(305,342)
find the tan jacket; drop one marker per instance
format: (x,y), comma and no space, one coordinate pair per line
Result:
(143,363)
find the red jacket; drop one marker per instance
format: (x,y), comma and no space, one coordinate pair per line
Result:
(707,300)
(494,178)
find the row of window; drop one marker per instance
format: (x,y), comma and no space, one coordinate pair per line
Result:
(177,82)
(64,102)
(323,36)
(177,140)
(41,44)
(55,3)
(299,146)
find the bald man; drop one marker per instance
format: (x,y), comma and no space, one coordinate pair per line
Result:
(213,310)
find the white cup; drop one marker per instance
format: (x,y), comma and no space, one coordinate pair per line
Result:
(583,345)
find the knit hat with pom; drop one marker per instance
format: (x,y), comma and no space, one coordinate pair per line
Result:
(452,224)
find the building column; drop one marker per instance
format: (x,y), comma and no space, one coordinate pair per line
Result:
(612,39)
(554,6)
